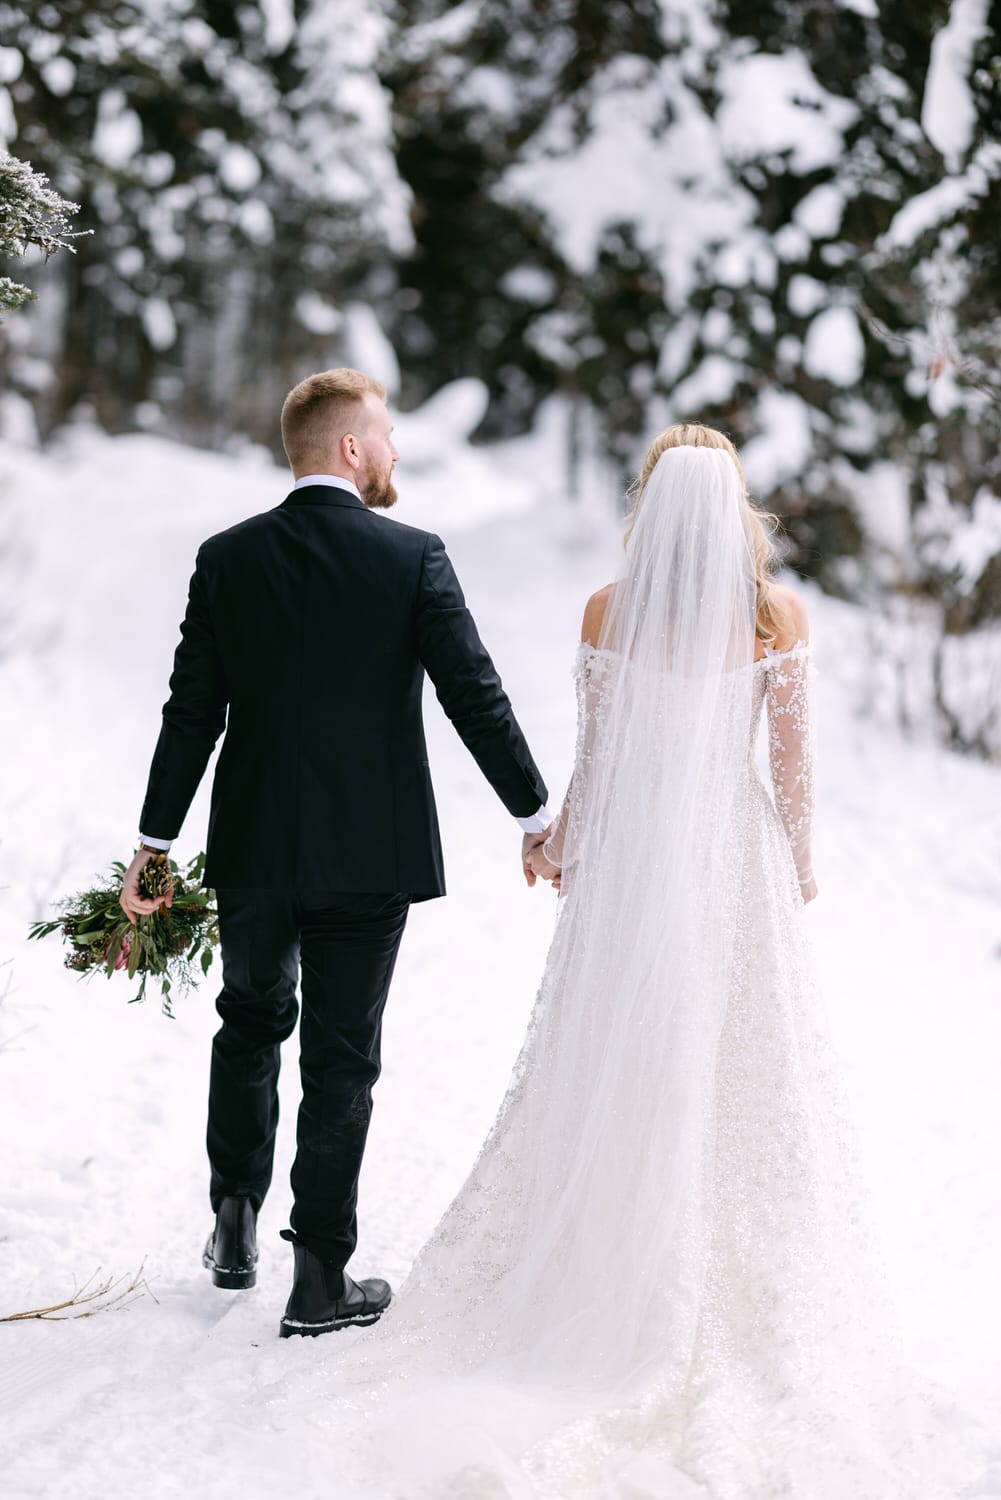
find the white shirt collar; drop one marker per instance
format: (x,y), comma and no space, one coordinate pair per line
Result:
(334,480)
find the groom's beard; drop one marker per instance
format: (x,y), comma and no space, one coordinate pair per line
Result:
(380,492)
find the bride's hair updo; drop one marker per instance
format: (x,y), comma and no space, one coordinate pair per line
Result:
(761,524)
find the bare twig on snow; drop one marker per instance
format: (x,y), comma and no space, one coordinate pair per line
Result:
(113,1293)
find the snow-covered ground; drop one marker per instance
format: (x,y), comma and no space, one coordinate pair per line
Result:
(102,1104)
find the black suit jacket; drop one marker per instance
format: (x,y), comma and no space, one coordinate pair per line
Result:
(312,625)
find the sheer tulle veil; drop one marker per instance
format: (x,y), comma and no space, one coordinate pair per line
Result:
(652,863)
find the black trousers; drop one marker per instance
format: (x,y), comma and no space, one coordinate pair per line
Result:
(346,947)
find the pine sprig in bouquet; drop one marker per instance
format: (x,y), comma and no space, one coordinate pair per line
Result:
(170,944)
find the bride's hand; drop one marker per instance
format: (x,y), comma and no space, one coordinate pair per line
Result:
(544,868)
(808,890)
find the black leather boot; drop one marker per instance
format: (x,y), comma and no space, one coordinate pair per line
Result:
(231,1251)
(325,1299)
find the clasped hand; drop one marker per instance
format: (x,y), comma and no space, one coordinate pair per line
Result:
(534,862)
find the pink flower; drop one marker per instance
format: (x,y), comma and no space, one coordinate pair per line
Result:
(122,956)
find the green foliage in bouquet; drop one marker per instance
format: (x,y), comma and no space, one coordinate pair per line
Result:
(170,944)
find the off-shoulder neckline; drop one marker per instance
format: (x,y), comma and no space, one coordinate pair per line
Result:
(797,650)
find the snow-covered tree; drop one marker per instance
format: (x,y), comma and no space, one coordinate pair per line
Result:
(490,288)
(779,218)
(232,160)
(782,218)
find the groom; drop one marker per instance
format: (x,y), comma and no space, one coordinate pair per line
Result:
(307,635)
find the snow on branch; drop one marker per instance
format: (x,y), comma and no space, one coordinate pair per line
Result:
(32,215)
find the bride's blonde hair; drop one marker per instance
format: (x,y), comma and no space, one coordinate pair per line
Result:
(761,524)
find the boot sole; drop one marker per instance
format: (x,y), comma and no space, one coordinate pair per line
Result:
(229,1280)
(290,1329)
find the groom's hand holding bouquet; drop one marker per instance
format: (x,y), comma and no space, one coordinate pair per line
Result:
(159,881)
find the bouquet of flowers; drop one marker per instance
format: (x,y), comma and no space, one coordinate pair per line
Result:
(169,944)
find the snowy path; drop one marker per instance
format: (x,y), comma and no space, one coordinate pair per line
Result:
(102,1105)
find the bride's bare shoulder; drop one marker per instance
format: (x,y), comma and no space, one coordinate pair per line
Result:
(594,615)
(790,616)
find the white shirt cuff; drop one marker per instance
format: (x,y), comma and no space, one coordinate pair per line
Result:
(144,838)
(538,823)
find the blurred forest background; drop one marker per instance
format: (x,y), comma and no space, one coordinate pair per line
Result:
(783,218)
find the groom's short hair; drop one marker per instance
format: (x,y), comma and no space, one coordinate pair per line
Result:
(320,410)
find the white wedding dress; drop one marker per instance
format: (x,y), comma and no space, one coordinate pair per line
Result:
(656,1283)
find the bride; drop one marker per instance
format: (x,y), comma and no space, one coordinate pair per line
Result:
(656,1282)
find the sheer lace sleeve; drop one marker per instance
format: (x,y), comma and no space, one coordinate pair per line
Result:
(589,674)
(554,845)
(790,751)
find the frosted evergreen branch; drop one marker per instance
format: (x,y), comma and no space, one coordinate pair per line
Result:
(32,215)
(13,294)
(30,212)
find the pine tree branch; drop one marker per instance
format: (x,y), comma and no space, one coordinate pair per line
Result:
(31,213)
